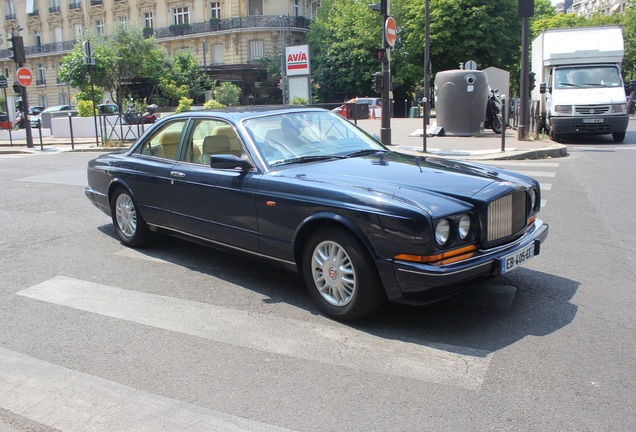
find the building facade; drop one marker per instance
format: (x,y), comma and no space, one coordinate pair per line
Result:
(587,8)
(226,37)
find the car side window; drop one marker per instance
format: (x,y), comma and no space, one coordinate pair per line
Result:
(164,143)
(210,137)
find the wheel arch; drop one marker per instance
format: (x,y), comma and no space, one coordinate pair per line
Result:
(326,219)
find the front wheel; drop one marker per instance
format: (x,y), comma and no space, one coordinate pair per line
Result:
(339,275)
(129,224)
(618,136)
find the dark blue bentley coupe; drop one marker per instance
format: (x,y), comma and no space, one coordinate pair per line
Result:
(306,189)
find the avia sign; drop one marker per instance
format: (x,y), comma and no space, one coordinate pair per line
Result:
(297,60)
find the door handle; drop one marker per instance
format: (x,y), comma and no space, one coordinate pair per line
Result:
(177,174)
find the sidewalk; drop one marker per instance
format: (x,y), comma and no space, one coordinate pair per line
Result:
(405,137)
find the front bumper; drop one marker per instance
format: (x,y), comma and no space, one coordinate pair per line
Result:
(426,283)
(597,125)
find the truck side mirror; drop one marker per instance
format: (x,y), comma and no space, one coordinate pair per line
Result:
(543,88)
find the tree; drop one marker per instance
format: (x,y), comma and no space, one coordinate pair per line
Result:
(342,40)
(183,77)
(125,57)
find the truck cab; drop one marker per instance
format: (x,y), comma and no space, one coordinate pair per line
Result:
(582,91)
(586,100)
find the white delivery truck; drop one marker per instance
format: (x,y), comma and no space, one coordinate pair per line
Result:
(581,91)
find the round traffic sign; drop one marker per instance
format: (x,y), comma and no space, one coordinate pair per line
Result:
(390,31)
(24,76)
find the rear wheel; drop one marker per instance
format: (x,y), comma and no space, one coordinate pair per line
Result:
(496,124)
(618,136)
(129,224)
(339,276)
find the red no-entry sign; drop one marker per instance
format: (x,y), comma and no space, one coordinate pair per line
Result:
(390,31)
(24,76)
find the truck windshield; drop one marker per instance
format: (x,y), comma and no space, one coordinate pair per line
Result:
(589,76)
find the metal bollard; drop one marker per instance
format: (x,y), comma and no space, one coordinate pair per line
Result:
(504,121)
(70,128)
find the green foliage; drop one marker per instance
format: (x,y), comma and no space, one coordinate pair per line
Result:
(125,57)
(227,93)
(182,77)
(342,40)
(86,95)
(297,100)
(212,104)
(85,108)
(184,105)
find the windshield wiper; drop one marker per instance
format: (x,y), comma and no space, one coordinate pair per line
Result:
(304,159)
(364,152)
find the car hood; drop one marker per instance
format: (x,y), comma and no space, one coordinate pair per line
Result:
(426,182)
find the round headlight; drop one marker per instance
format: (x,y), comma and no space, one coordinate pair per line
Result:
(464,226)
(442,232)
(533,199)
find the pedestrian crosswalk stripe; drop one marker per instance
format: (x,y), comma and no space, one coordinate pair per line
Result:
(73,401)
(331,343)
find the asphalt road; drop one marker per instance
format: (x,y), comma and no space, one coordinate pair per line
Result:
(98,337)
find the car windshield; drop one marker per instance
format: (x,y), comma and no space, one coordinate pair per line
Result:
(589,76)
(308,136)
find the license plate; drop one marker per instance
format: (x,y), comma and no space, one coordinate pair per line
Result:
(516,259)
(592,120)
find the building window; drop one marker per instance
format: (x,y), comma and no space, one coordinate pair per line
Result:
(99,27)
(255,7)
(148,20)
(215,10)
(42,100)
(63,99)
(57,34)
(123,20)
(10,8)
(256,49)
(217,54)
(41,77)
(181,16)
(78,31)
(296,8)
(37,39)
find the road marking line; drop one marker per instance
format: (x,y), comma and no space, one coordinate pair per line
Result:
(546,186)
(73,401)
(336,344)
(525,164)
(538,173)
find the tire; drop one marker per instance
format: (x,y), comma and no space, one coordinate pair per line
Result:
(496,124)
(618,136)
(554,137)
(129,224)
(340,276)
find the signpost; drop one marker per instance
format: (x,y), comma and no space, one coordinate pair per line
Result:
(3,85)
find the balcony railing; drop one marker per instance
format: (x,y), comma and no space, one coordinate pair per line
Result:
(96,2)
(264,21)
(54,9)
(240,23)
(9,17)
(74,5)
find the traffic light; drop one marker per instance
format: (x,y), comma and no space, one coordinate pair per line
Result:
(532,80)
(381,55)
(382,7)
(377,82)
(18,50)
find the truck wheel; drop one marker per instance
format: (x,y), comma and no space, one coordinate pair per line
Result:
(618,136)
(554,137)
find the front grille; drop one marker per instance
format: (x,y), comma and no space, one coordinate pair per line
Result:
(592,109)
(506,216)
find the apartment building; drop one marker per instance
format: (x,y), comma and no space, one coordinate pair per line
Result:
(590,7)
(227,37)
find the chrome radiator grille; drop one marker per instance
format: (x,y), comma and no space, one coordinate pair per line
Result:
(506,216)
(592,109)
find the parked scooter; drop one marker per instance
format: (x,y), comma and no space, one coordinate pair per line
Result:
(150,115)
(131,117)
(493,112)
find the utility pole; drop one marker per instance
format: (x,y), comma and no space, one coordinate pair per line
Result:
(389,34)
(526,10)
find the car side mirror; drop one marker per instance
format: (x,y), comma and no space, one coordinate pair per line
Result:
(229,161)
